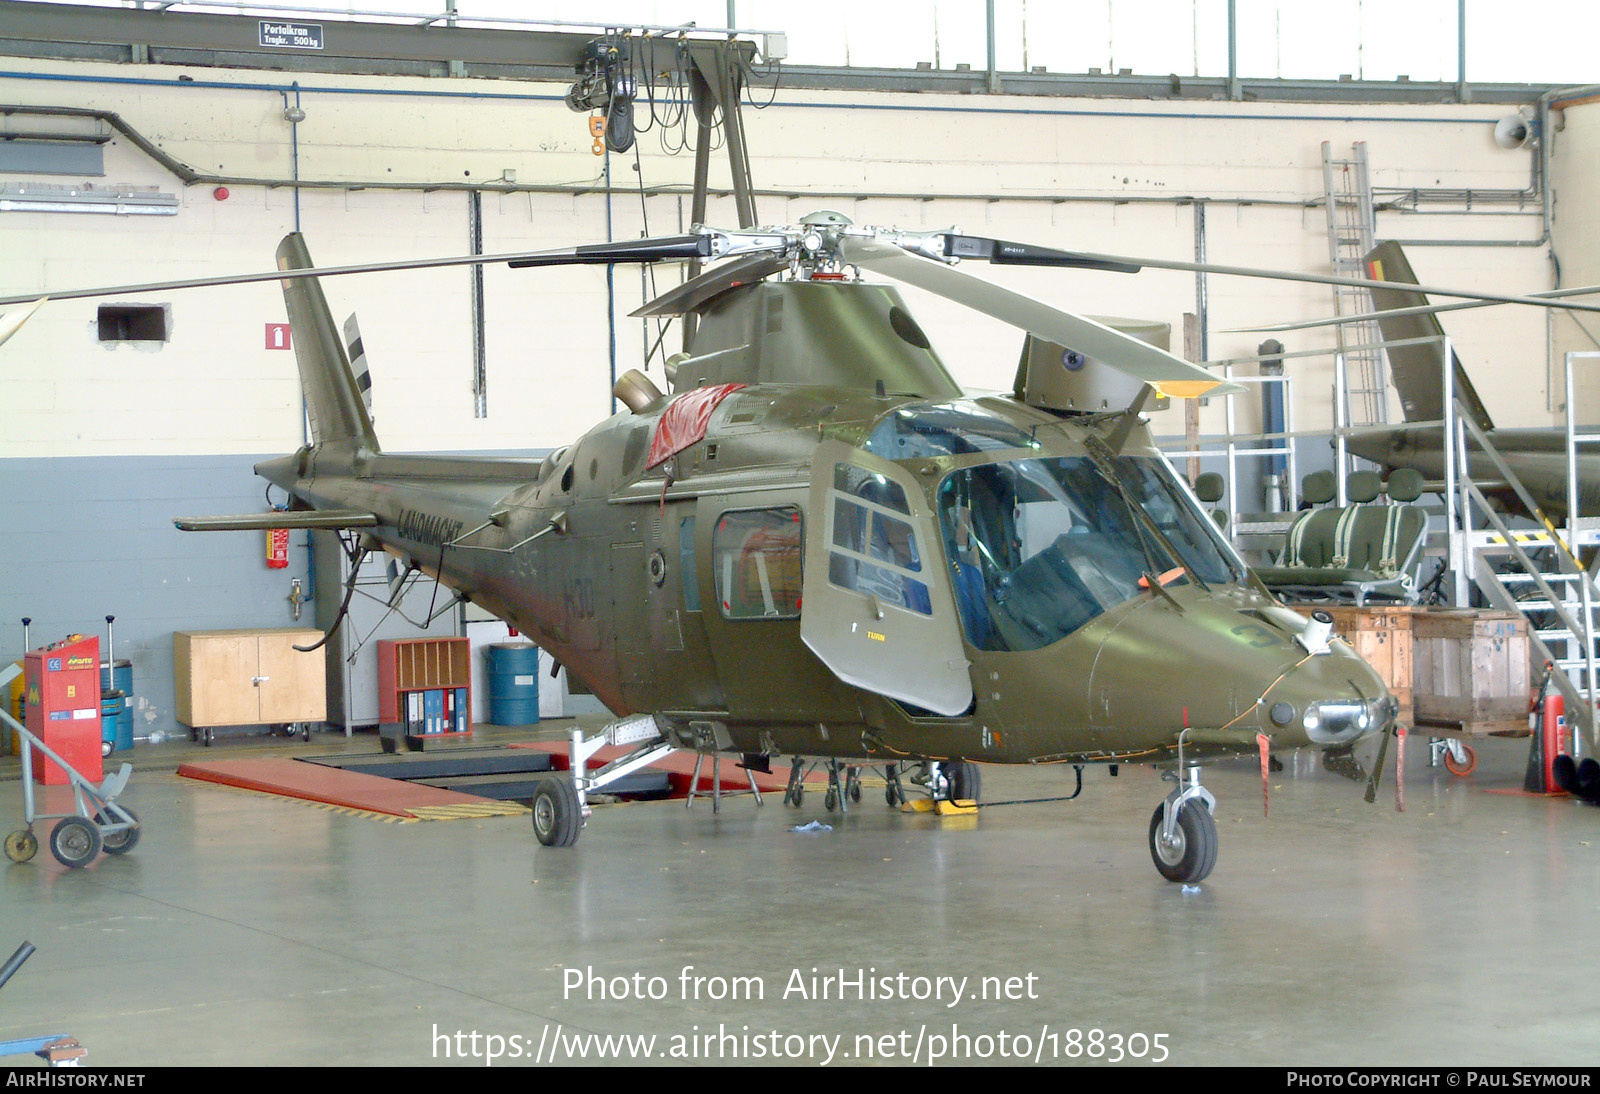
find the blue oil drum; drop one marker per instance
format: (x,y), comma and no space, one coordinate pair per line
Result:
(513,683)
(119,678)
(112,704)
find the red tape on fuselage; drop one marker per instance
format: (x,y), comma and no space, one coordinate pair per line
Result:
(684,421)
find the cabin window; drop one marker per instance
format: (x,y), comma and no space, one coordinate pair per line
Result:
(873,551)
(757,558)
(691,576)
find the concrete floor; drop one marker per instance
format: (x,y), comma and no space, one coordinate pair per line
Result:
(250,930)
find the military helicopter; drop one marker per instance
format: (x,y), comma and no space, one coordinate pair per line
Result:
(816,545)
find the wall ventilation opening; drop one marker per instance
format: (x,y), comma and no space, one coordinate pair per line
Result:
(134,322)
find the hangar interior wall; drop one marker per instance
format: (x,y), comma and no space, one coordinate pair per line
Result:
(103,444)
(1575,228)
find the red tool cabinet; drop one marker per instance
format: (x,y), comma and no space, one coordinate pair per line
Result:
(63,707)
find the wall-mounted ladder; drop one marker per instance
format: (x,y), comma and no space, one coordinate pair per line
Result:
(1351,225)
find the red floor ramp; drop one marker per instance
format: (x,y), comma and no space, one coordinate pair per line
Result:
(313,782)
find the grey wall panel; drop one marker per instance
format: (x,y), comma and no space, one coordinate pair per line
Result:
(52,158)
(86,537)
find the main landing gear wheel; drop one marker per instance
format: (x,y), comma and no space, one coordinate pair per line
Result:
(964,781)
(1192,851)
(557,813)
(21,845)
(1466,765)
(75,841)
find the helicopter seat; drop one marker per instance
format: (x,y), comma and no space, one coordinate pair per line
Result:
(1357,552)
(1210,488)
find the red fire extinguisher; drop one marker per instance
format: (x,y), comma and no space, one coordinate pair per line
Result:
(1557,735)
(278,548)
(1549,758)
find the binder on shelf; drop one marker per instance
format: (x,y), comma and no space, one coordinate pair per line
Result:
(462,723)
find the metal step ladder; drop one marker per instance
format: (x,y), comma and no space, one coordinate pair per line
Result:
(1572,649)
(1535,571)
(1351,224)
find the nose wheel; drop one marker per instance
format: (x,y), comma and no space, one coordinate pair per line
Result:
(1183,833)
(1189,852)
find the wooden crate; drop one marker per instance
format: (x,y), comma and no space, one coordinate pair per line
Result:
(1472,668)
(1381,634)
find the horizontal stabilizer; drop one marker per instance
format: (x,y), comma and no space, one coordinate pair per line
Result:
(257,522)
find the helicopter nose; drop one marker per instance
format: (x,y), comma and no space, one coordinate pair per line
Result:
(1321,702)
(1332,723)
(1235,665)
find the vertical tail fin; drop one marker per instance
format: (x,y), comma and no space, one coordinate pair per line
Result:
(1417,376)
(333,401)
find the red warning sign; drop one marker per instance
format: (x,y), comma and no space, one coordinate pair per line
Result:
(277,336)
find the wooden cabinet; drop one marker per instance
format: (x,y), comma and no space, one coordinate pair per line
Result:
(248,677)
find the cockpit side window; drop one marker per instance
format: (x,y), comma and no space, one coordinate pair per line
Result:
(874,551)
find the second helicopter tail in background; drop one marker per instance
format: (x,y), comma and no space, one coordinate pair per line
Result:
(1417,375)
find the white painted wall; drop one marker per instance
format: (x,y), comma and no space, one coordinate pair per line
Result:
(1070,173)
(1575,229)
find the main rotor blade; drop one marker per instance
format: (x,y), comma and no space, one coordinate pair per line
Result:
(10,324)
(1003,253)
(1171,375)
(1396,313)
(639,250)
(1535,300)
(685,298)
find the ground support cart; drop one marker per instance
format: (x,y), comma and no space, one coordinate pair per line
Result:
(97,823)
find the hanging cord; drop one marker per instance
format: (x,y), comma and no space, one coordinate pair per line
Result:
(775,71)
(649,268)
